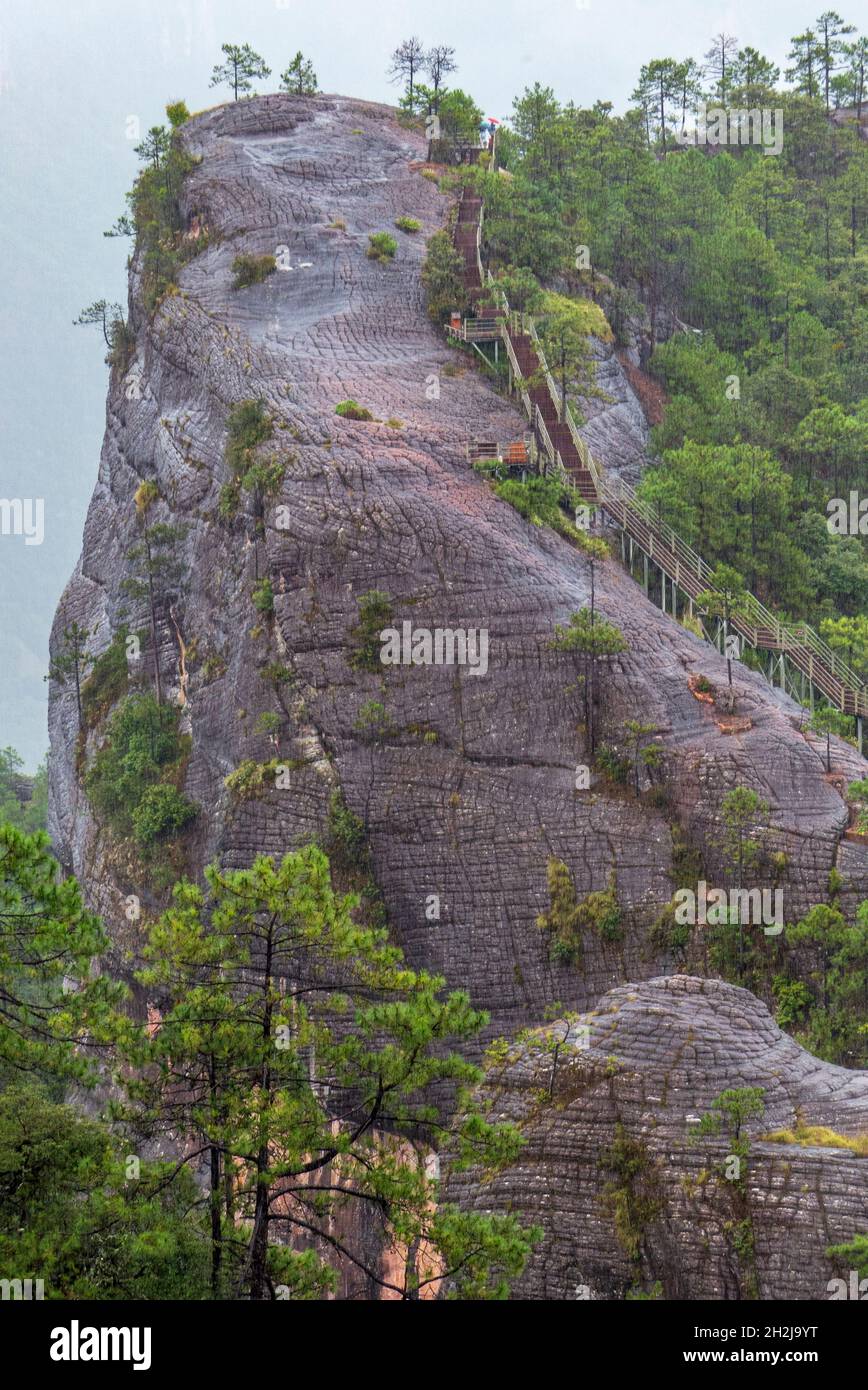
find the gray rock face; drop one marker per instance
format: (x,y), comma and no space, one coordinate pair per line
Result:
(657,1054)
(473,814)
(615,428)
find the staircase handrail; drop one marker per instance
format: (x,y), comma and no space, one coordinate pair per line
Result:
(801,637)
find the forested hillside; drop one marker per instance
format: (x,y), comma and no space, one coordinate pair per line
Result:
(347,970)
(763,258)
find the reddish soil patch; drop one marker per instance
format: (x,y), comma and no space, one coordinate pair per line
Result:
(706,696)
(649,392)
(734,723)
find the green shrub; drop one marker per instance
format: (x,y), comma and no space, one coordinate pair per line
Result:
(156,215)
(560,921)
(351,410)
(162,813)
(252,270)
(668,935)
(268,723)
(611,764)
(107,682)
(213,666)
(544,502)
(347,841)
(142,749)
(794,1002)
(229,500)
(567,917)
(858,792)
(442,276)
(408,224)
(248,425)
(177,113)
(601,912)
(372,720)
(375,613)
(276,676)
(263,596)
(251,779)
(382,247)
(123,342)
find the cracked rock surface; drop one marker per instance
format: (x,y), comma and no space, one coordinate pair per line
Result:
(472,812)
(655,1056)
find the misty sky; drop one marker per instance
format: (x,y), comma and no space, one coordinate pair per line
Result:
(71,74)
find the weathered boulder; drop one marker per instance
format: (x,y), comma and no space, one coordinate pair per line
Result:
(629,1196)
(467,785)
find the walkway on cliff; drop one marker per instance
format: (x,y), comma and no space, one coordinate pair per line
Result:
(797,658)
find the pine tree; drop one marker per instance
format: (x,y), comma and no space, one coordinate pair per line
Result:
(407,61)
(805,58)
(661,83)
(105,315)
(157,570)
(241,65)
(53,1014)
(303,1057)
(596,640)
(439,62)
(299,78)
(740,810)
(830,35)
(725,598)
(71,659)
(719,61)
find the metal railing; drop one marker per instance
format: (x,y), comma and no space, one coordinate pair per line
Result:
(756,623)
(478,329)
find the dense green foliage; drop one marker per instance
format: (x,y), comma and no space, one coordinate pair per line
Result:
(568,917)
(252,270)
(72,1216)
(295,1035)
(247,426)
(47,941)
(155,217)
(381,247)
(133,781)
(351,410)
(829,1014)
(108,680)
(441,276)
(304,1062)
(375,614)
(23,799)
(768,256)
(263,596)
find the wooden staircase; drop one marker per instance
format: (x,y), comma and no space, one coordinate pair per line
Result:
(560,443)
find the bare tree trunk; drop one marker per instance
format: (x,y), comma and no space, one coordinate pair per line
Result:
(153,604)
